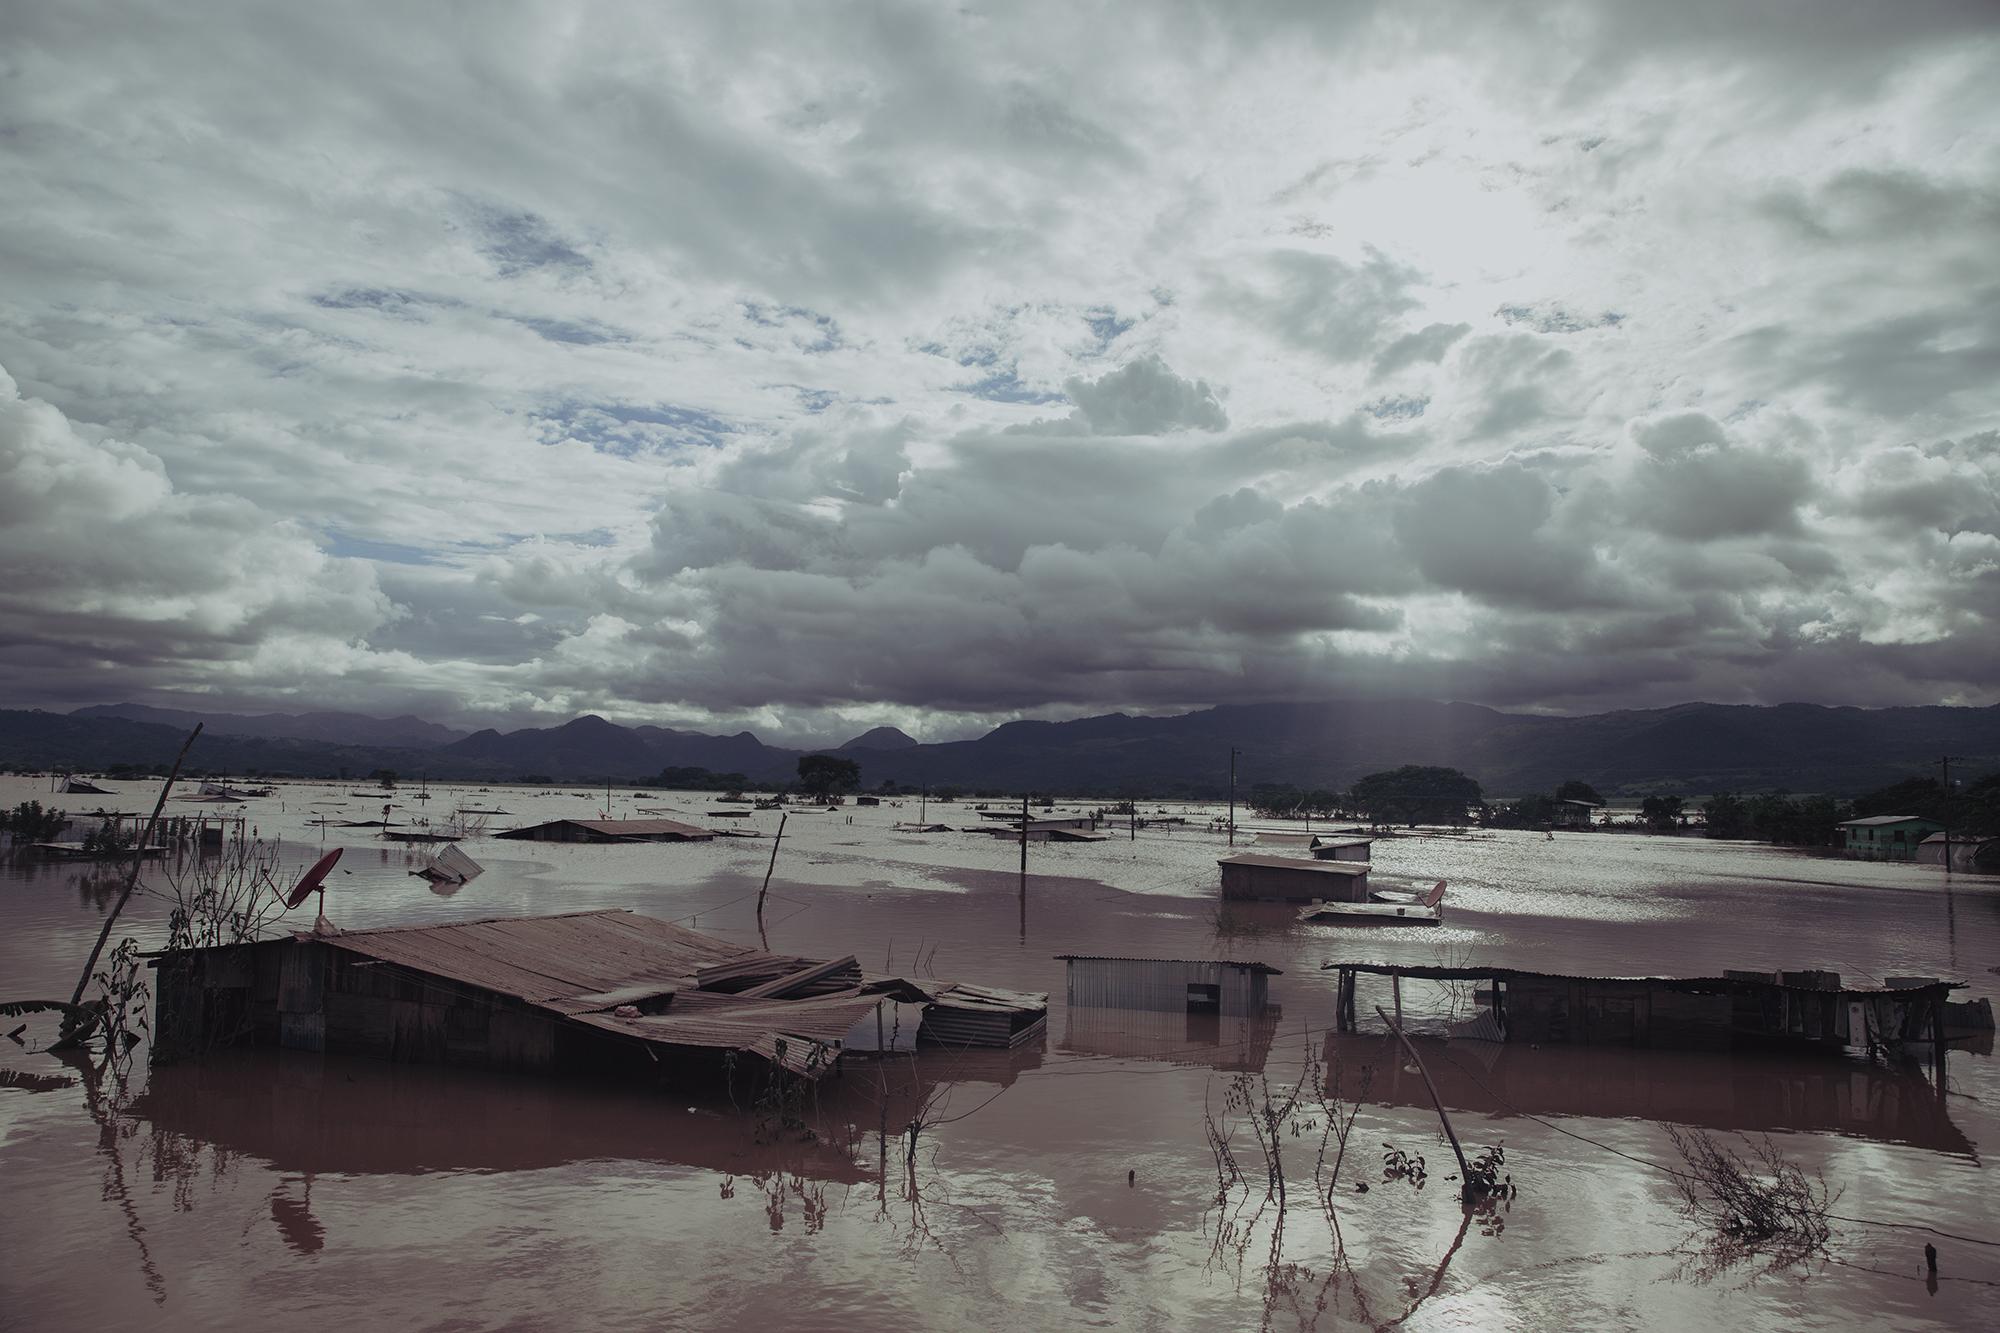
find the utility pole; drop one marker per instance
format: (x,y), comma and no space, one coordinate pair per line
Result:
(1024,847)
(1024,865)
(1233,752)
(1944,764)
(923,802)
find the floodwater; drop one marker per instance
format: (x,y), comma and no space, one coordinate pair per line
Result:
(1067,1184)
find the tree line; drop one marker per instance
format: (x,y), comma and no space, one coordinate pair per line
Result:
(1424,794)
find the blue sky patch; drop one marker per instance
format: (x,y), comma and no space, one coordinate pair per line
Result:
(628,429)
(1006,386)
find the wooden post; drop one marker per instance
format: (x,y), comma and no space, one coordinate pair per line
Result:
(1025,867)
(1937,1033)
(73,1036)
(1232,795)
(767,878)
(1464,1173)
(1396,986)
(1024,845)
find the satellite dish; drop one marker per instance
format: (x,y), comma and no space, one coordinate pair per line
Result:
(314,879)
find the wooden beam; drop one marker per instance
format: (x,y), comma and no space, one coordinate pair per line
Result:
(784,987)
(1464,1173)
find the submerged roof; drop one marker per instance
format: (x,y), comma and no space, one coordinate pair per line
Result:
(1741,982)
(625,828)
(584,966)
(554,962)
(1265,968)
(1347,868)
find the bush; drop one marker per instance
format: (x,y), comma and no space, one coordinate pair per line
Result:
(28,822)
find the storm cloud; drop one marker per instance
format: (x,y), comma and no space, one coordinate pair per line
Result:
(813,369)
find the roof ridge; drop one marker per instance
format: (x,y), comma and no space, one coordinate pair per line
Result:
(481,921)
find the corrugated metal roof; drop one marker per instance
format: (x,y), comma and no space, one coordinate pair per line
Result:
(729,1022)
(642,828)
(583,964)
(1724,984)
(548,961)
(1874,820)
(1265,968)
(1348,868)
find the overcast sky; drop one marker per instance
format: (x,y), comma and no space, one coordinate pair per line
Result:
(813,368)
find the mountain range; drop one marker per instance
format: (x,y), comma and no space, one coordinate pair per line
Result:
(1690,748)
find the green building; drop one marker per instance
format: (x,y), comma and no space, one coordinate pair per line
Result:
(1887,837)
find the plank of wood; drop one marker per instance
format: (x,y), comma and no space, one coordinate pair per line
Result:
(794,981)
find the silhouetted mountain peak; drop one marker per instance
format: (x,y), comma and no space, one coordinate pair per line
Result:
(881,738)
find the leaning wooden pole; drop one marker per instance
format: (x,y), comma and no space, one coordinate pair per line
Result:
(1464,1174)
(767,877)
(75,1035)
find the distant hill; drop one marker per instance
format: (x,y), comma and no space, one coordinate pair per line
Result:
(1693,748)
(1690,748)
(593,747)
(37,740)
(335,728)
(880,738)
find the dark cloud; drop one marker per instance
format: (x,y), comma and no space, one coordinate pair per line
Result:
(1429,343)
(1144,398)
(1695,484)
(690,364)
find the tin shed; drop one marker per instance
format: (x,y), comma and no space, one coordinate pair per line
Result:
(1251,877)
(1169,985)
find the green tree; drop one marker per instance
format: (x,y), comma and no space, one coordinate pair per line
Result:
(1663,814)
(1531,811)
(1576,789)
(826,774)
(1414,792)
(31,823)
(1728,816)
(1921,797)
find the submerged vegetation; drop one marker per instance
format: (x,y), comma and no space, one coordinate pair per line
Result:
(29,822)
(1757,1208)
(1257,1196)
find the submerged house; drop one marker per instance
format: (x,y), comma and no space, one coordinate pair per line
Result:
(1807,1010)
(1886,837)
(1343,849)
(1048,828)
(603,992)
(1958,851)
(1254,877)
(1169,985)
(610,830)
(1572,812)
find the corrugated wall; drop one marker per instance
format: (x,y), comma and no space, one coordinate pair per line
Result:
(1162,984)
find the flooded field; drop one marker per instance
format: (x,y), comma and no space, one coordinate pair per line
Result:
(1068,1183)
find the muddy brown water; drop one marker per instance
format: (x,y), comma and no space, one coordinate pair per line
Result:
(1068,1184)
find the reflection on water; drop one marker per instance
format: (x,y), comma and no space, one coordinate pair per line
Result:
(1760,1094)
(306,1114)
(1222,1043)
(1042,1187)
